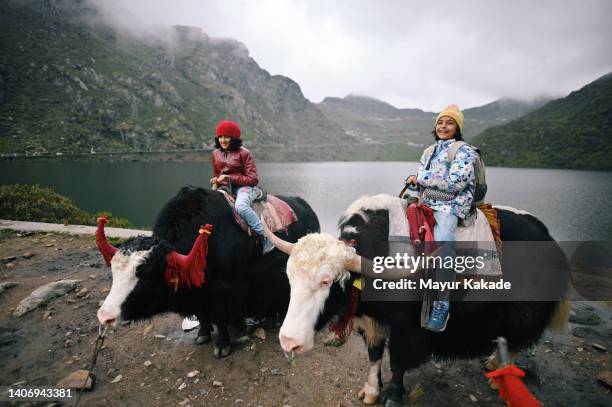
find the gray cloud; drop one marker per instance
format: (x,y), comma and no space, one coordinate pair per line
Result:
(408,53)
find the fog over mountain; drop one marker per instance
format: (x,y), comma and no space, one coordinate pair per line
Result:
(374,121)
(409,54)
(71,84)
(84,76)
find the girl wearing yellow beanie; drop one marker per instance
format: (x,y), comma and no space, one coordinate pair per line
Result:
(447,188)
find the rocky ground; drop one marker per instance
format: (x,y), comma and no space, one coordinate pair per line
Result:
(156,363)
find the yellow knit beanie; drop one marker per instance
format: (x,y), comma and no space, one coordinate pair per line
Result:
(454,112)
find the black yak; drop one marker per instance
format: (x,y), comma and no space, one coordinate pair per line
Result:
(322,269)
(238,280)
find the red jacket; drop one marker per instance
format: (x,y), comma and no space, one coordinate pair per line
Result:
(239,165)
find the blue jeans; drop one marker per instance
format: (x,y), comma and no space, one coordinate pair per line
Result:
(446,226)
(444,232)
(244,199)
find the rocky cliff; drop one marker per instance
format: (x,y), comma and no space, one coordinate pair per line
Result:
(70,83)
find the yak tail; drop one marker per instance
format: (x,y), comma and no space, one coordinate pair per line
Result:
(558,323)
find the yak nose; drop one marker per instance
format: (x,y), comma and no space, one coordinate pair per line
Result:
(106,318)
(289,344)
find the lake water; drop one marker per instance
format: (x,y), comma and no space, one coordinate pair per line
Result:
(575,205)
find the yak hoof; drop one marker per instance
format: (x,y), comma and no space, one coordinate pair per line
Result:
(393,403)
(368,398)
(388,398)
(202,339)
(382,398)
(222,352)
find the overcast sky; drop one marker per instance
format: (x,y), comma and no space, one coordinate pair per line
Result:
(408,53)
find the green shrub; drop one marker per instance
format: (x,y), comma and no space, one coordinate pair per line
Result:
(39,204)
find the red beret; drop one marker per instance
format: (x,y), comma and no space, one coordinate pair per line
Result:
(228,128)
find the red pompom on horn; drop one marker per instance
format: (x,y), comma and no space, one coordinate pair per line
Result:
(188,271)
(107,250)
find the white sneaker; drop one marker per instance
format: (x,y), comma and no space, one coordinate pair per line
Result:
(190,323)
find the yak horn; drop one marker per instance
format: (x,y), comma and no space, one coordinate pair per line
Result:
(107,250)
(280,244)
(354,264)
(365,266)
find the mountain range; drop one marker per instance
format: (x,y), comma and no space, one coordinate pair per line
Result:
(571,132)
(70,83)
(375,121)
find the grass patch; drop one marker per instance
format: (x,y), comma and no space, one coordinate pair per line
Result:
(35,203)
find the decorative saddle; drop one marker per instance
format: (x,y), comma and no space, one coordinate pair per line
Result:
(277,213)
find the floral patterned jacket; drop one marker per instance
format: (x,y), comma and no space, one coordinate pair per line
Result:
(456,178)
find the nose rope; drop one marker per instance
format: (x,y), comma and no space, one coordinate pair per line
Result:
(300,375)
(97,348)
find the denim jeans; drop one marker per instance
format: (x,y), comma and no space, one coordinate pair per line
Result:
(244,199)
(446,226)
(444,233)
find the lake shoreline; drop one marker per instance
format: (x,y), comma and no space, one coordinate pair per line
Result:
(138,190)
(393,151)
(203,156)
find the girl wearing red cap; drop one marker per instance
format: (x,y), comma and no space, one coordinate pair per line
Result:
(234,167)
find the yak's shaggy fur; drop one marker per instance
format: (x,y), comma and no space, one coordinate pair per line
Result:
(240,281)
(472,325)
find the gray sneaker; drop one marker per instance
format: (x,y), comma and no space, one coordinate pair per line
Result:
(439,316)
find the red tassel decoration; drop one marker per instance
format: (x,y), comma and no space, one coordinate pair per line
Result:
(189,271)
(343,327)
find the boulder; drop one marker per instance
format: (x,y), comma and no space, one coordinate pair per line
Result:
(75,380)
(6,285)
(605,377)
(44,294)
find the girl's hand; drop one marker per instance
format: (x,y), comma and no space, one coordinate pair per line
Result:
(222,178)
(213,180)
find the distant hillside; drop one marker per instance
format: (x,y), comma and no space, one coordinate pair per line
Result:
(498,112)
(70,85)
(369,106)
(504,109)
(572,132)
(375,121)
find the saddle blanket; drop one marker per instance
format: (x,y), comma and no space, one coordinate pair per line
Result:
(277,213)
(476,230)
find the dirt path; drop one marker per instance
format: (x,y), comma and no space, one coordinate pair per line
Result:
(48,343)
